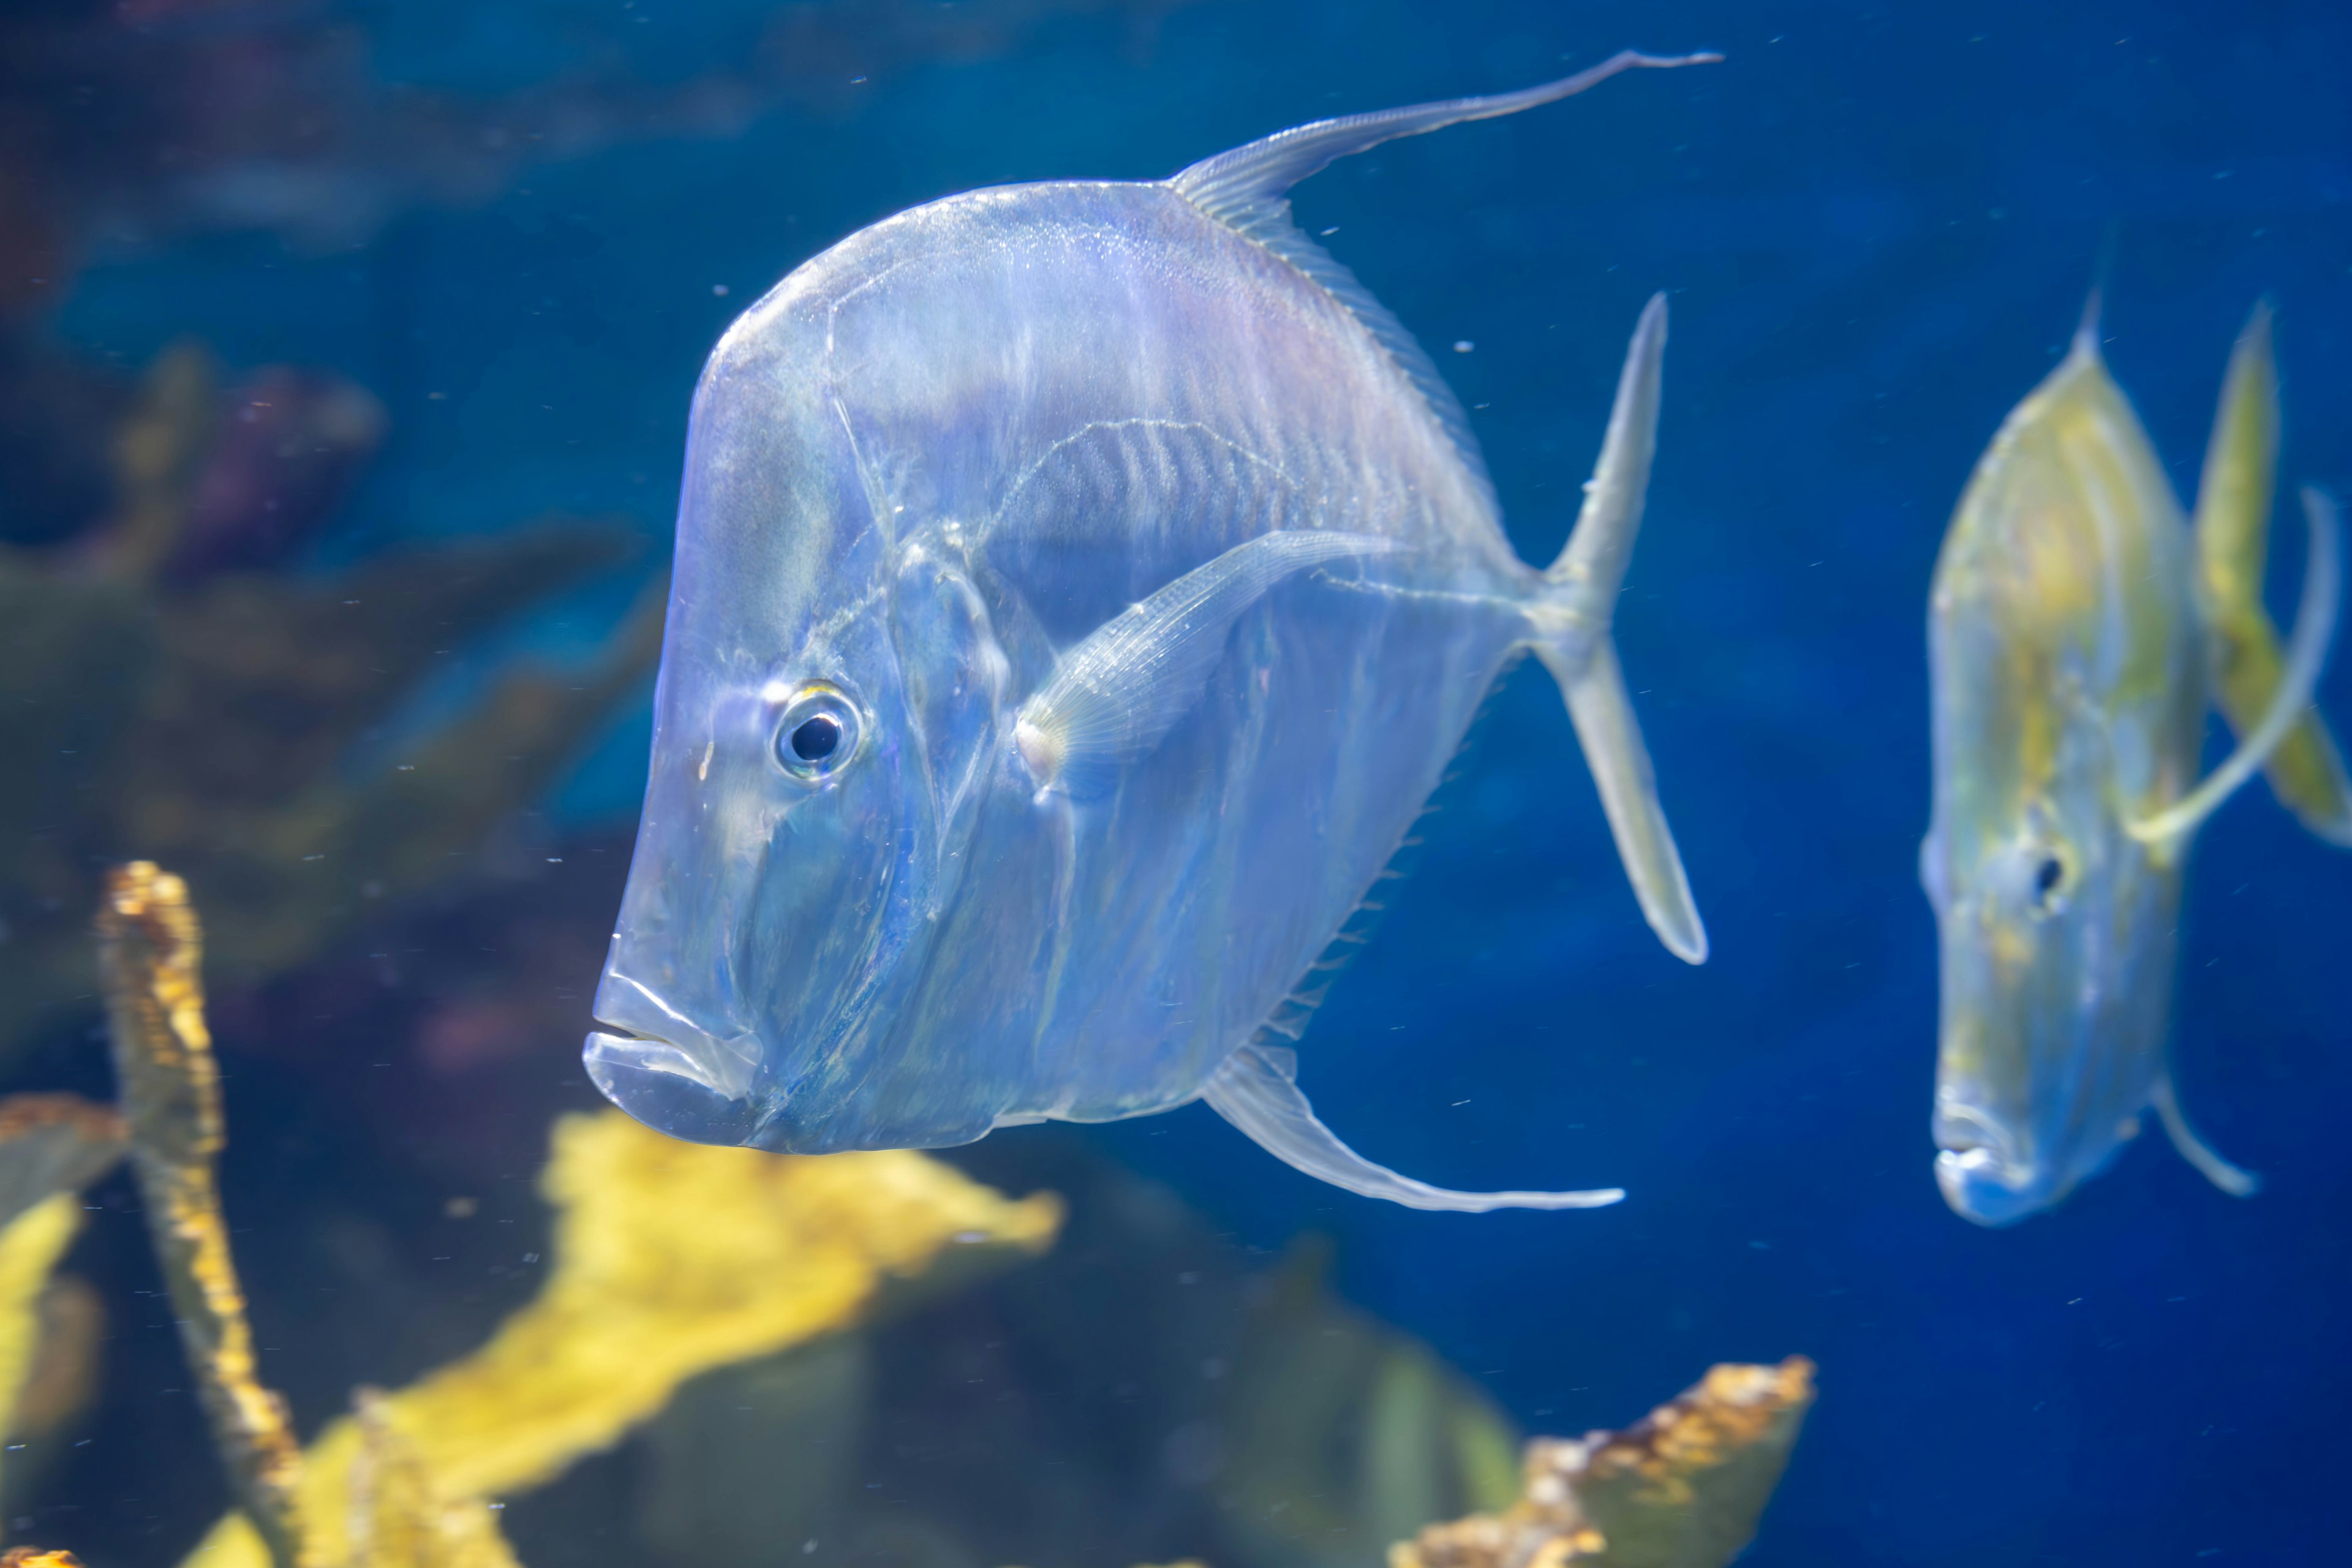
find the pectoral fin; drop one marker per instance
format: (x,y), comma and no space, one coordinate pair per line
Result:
(2233,509)
(1256,1089)
(2238,1183)
(2315,623)
(1115,696)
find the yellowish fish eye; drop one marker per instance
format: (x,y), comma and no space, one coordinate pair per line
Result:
(818,732)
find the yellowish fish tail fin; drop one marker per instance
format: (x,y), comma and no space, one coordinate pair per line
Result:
(1574,642)
(2233,511)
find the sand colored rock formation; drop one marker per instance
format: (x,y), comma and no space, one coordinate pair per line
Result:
(1682,1487)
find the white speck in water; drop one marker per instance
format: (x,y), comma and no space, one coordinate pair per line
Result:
(1462,345)
(719,290)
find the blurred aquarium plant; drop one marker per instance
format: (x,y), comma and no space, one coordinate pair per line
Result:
(670,1259)
(688,1279)
(169,694)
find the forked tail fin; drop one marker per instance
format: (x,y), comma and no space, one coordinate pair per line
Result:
(1577,648)
(2233,513)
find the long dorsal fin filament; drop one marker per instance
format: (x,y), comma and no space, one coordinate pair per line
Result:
(1248,191)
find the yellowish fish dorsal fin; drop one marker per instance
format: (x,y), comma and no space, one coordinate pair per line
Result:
(2233,510)
(2290,702)
(2086,344)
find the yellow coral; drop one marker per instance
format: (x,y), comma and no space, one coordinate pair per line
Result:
(51,1145)
(29,1248)
(669,1258)
(400,1517)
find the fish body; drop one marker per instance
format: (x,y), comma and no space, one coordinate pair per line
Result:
(1080,589)
(2072,660)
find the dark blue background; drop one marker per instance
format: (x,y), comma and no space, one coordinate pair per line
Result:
(1877,224)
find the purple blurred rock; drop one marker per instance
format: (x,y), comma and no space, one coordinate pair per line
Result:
(289,445)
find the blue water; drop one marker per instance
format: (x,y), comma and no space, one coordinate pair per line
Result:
(1877,225)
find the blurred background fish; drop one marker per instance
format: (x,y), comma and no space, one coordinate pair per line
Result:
(2074,649)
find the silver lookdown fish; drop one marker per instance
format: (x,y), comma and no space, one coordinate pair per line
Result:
(2078,627)
(1080,589)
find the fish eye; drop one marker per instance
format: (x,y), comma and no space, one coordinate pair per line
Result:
(817,733)
(2050,884)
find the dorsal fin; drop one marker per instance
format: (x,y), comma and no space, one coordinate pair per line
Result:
(1248,191)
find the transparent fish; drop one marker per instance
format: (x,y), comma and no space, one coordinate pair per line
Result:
(1080,589)
(2078,628)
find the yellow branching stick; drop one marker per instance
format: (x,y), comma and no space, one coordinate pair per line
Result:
(149,951)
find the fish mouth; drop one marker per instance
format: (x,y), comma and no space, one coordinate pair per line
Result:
(1979,1173)
(668,1071)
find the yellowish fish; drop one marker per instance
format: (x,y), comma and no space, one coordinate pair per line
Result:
(2078,629)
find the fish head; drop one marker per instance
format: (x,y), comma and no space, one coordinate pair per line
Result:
(2063,684)
(826,703)
(2056,940)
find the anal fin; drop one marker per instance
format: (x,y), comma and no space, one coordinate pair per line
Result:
(1257,1089)
(2238,1183)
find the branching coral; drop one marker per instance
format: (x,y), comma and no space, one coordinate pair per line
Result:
(1683,1488)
